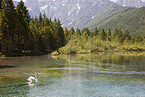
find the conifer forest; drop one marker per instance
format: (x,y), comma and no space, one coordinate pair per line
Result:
(21,34)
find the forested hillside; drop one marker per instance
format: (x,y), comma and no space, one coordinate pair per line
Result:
(126,18)
(22,35)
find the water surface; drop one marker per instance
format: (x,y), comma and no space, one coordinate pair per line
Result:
(74,76)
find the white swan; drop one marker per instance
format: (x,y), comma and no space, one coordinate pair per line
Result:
(32,79)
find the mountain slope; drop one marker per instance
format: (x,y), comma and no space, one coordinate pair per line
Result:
(72,13)
(132,19)
(131,3)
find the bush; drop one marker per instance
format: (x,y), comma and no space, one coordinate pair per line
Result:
(72,52)
(55,53)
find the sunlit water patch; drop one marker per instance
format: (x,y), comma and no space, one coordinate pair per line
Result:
(74,76)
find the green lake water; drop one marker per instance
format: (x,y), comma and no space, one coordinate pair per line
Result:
(88,75)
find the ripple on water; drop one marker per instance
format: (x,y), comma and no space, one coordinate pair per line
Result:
(66,69)
(128,73)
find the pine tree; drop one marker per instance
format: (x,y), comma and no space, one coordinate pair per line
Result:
(23,32)
(126,35)
(8,25)
(44,16)
(86,30)
(0,33)
(96,31)
(103,35)
(66,33)
(60,34)
(40,18)
(115,33)
(109,35)
(71,32)
(0,4)
(138,38)
(78,31)
(120,33)
(109,32)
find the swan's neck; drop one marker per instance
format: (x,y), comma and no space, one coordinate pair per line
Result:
(36,77)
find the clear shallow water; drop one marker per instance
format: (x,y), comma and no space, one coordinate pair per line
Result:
(74,76)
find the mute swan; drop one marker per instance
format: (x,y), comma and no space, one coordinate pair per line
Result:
(32,79)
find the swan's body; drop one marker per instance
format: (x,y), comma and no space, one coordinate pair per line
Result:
(32,79)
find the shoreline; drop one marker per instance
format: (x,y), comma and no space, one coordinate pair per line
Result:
(108,52)
(114,52)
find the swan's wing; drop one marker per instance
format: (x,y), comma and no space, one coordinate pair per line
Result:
(30,78)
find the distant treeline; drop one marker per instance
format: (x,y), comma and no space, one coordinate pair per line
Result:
(21,35)
(85,41)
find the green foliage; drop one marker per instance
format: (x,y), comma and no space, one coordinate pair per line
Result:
(96,31)
(66,33)
(109,32)
(119,41)
(22,27)
(21,35)
(78,31)
(8,25)
(138,38)
(0,4)
(47,35)
(85,30)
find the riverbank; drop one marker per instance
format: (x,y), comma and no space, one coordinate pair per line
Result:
(123,53)
(119,49)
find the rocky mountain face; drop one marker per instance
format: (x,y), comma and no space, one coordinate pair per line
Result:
(72,13)
(131,3)
(75,13)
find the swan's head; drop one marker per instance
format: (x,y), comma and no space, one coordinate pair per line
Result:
(36,74)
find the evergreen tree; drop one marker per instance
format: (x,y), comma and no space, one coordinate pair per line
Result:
(78,31)
(0,4)
(86,30)
(44,16)
(96,31)
(103,35)
(19,33)
(126,35)
(40,18)
(23,32)
(115,33)
(0,28)
(47,21)
(120,33)
(66,33)
(71,31)
(109,32)
(59,34)
(8,24)
(109,35)
(138,38)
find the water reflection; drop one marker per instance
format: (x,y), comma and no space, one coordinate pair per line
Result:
(6,66)
(14,90)
(80,75)
(111,61)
